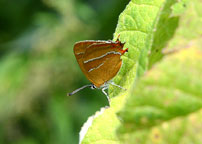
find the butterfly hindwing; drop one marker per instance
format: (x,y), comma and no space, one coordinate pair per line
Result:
(80,48)
(102,62)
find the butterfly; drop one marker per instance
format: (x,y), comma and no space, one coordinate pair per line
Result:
(100,61)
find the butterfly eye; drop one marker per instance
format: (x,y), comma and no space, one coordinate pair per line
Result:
(93,87)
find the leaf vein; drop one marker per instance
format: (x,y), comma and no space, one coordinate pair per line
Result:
(133,20)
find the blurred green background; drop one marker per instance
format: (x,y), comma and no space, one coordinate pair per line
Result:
(38,68)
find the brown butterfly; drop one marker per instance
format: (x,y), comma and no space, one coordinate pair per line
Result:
(100,61)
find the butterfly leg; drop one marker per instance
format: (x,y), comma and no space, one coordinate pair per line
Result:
(103,90)
(112,83)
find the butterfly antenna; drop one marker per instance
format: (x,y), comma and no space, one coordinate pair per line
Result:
(75,91)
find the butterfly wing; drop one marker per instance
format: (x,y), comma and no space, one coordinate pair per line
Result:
(80,49)
(101,62)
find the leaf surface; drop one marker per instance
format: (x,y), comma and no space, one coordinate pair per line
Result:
(136,26)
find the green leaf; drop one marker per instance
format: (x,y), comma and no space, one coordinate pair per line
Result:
(170,90)
(165,106)
(179,7)
(137,26)
(189,27)
(165,29)
(181,130)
